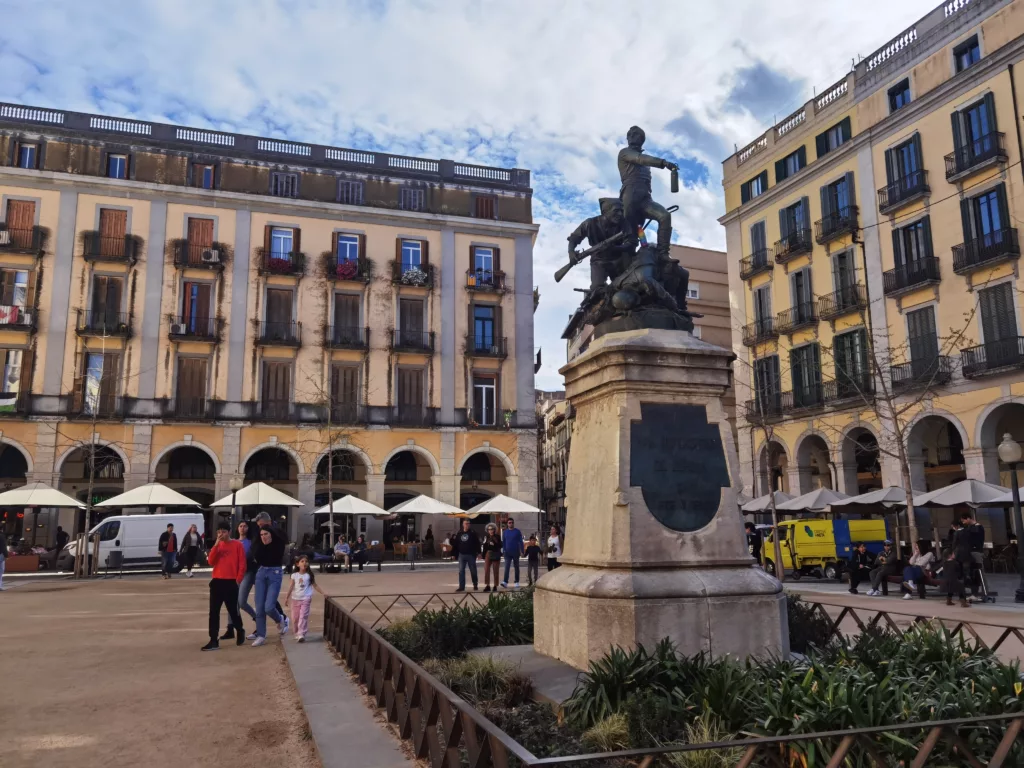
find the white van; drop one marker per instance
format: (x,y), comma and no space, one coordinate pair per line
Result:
(137,536)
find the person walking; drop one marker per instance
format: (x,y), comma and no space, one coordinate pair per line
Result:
(428,542)
(268,552)
(191,545)
(861,563)
(248,580)
(555,544)
(168,549)
(61,541)
(466,547)
(303,584)
(512,547)
(227,557)
(492,556)
(532,560)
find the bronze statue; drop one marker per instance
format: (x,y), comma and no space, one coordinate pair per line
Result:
(647,288)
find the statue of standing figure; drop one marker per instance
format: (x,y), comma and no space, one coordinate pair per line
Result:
(631,288)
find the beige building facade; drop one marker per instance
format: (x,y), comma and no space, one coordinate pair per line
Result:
(204,308)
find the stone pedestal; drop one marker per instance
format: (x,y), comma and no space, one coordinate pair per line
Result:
(655,545)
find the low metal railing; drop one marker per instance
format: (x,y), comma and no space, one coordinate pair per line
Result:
(444,729)
(911,276)
(984,150)
(986,250)
(792,245)
(911,187)
(756,263)
(836,223)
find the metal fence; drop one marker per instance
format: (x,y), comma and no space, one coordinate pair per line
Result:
(445,730)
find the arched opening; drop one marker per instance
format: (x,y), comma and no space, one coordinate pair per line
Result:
(275,467)
(1005,419)
(14,524)
(483,476)
(814,464)
(772,469)
(935,452)
(861,460)
(192,472)
(341,474)
(407,474)
(105,468)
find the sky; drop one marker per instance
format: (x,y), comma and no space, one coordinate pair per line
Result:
(546,85)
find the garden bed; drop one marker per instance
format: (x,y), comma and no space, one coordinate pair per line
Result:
(879,696)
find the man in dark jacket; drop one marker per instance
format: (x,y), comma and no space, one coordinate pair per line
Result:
(168,548)
(861,563)
(969,549)
(3,558)
(753,541)
(887,563)
(466,547)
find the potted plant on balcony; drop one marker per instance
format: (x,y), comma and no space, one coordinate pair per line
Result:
(279,265)
(347,270)
(414,276)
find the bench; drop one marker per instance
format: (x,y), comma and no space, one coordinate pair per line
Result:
(370,555)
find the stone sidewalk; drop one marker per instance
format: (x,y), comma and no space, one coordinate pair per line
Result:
(346,733)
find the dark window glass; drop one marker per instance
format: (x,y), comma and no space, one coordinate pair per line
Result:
(27,154)
(967,54)
(117,166)
(899,95)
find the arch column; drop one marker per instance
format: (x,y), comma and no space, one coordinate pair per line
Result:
(375,489)
(446,488)
(846,478)
(302,521)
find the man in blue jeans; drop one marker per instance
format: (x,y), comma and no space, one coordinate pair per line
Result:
(268,552)
(512,548)
(466,548)
(168,548)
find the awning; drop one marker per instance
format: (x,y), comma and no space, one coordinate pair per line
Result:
(971,493)
(890,497)
(150,495)
(258,495)
(502,505)
(37,495)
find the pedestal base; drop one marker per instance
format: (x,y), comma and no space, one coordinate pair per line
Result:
(583,612)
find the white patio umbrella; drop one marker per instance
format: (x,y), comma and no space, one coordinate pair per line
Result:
(764,504)
(423,505)
(817,500)
(37,495)
(972,493)
(890,497)
(150,495)
(352,505)
(257,495)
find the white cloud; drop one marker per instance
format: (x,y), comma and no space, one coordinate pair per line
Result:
(549,85)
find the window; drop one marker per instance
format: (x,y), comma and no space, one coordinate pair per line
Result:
(117,166)
(836,203)
(802,296)
(277,387)
(345,384)
(912,243)
(998,319)
(410,199)
(13,291)
(967,54)
(401,468)
(202,176)
(190,398)
(113,233)
(805,369)
(99,383)
(844,271)
(106,301)
(484,322)
(346,319)
(899,95)
(109,530)
(483,260)
(350,192)
(693,291)
(196,302)
(758,238)
(410,394)
(851,361)
(485,207)
(985,221)
(755,187)
(790,164)
(794,223)
(904,170)
(834,137)
(763,305)
(974,134)
(410,322)
(28,155)
(924,342)
(412,255)
(484,412)
(284,184)
(348,248)
(281,241)
(21,220)
(11,360)
(767,382)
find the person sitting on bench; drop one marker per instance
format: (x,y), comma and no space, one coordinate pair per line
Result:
(916,572)
(358,553)
(861,564)
(342,553)
(888,562)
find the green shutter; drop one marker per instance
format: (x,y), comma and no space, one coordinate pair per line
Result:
(821,143)
(780,171)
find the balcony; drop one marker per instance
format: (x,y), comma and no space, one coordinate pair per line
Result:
(346,337)
(793,245)
(270,409)
(858,389)
(195,256)
(993,357)
(406,274)
(13,318)
(793,319)
(921,374)
(911,277)
(413,416)
(349,270)
(291,263)
(913,186)
(190,409)
(13,404)
(806,399)
(101,323)
(486,346)
(96,405)
(31,241)
(849,298)
(755,264)
(278,334)
(758,331)
(183,328)
(485,280)
(768,408)
(975,155)
(986,251)
(347,413)
(119,250)
(836,224)
(412,341)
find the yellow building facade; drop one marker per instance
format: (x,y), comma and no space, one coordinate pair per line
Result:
(874,257)
(205,309)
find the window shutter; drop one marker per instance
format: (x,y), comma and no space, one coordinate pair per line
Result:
(821,144)
(25,374)
(990,107)
(958,141)
(21,214)
(805,213)
(851,194)
(398,251)
(108,382)
(497,325)
(497,259)
(1004,211)
(764,181)
(745,193)
(846,129)
(296,240)
(918,152)
(30,293)
(200,232)
(266,240)
(780,171)
(965,220)
(891,168)
(897,249)
(203,294)
(926,226)
(336,383)
(783,224)
(78,392)
(826,200)
(361,246)
(471,321)
(113,222)
(426,252)
(801,156)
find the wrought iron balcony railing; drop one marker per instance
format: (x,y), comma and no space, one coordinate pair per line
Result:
(485,280)
(412,341)
(911,276)
(17,318)
(282,333)
(99,247)
(921,374)
(102,323)
(31,240)
(760,330)
(986,250)
(992,356)
(794,244)
(290,263)
(849,298)
(911,187)
(756,263)
(346,337)
(836,224)
(478,345)
(355,270)
(192,255)
(412,274)
(194,328)
(793,319)
(859,387)
(976,154)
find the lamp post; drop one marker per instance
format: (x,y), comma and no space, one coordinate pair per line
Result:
(236,486)
(1010,453)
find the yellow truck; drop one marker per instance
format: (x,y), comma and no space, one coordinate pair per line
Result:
(821,547)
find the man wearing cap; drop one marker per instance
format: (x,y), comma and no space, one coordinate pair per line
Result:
(609,263)
(887,564)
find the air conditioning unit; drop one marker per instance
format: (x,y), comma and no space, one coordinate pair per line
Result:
(5,237)
(211,256)
(179,329)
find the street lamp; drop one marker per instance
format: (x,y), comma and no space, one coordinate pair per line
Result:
(1010,453)
(236,486)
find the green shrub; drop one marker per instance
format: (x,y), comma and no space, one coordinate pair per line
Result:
(607,735)
(480,679)
(706,729)
(807,627)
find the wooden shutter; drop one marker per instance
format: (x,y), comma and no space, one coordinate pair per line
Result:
(764,181)
(192,378)
(8,278)
(25,374)
(200,232)
(780,171)
(1004,211)
(497,259)
(998,318)
(279,305)
(990,107)
(958,141)
(78,390)
(804,219)
(410,387)
(346,311)
(897,248)
(425,259)
(965,220)
(345,384)
(801,157)
(276,381)
(30,293)
(113,223)
(296,240)
(410,315)
(745,193)
(266,240)
(204,292)
(826,201)
(108,382)
(851,192)
(924,345)
(891,166)
(21,214)
(846,129)
(783,224)
(926,224)
(821,142)
(362,246)
(398,252)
